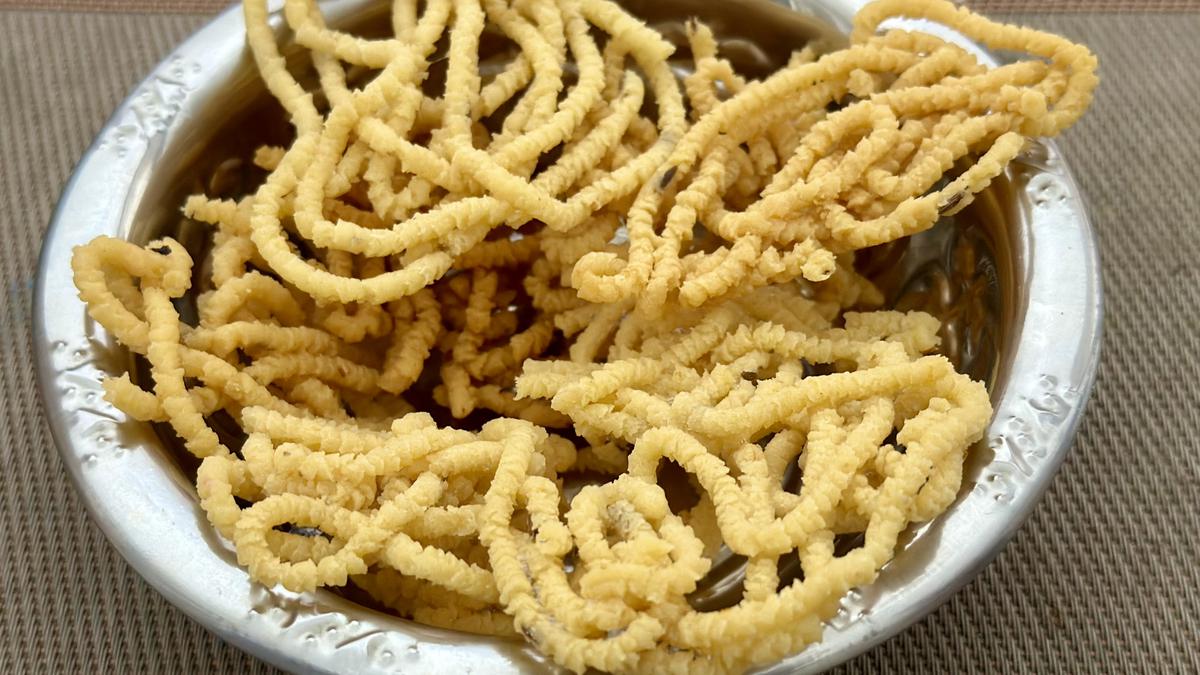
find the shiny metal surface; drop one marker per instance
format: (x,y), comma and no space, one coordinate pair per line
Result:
(1015,279)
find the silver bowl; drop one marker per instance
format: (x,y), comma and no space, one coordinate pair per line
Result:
(1016,280)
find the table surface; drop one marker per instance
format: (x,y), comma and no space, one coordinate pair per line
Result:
(1103,577)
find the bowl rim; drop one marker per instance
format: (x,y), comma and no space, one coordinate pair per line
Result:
(148,511)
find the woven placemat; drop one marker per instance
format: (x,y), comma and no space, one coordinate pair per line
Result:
(1103,578)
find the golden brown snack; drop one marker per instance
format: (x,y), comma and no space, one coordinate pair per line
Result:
(785,186)
(446,305)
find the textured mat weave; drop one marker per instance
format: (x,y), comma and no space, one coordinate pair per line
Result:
(1103,578)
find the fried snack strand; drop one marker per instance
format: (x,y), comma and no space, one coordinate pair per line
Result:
(510,252)
(912,109)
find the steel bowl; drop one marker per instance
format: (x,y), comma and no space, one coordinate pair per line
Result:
(1015,279)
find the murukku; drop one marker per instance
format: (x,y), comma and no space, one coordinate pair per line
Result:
(524,335)
(809,208)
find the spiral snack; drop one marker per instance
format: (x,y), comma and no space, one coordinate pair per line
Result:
(509,251)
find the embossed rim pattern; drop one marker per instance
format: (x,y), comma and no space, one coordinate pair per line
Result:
(149,511)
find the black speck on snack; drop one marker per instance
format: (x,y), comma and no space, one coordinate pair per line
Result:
(162,249)
(668,175)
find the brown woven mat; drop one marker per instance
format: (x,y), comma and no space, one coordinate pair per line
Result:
(1103,578)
